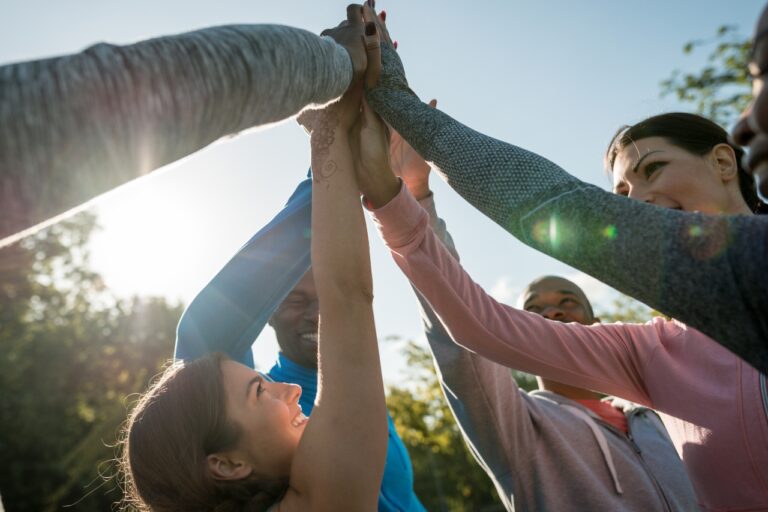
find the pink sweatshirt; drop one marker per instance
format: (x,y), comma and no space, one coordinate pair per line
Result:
(714,405)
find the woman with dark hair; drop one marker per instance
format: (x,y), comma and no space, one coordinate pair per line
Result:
(711,401)
(662,257)
(215,435)
(716,182)
(697,262)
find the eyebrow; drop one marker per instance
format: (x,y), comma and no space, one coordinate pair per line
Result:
(637,165)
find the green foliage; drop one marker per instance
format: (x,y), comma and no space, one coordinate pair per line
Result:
(722,89)
(628,310)
(447,477)
(71,354)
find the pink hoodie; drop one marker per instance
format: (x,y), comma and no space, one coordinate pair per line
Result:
(714,405)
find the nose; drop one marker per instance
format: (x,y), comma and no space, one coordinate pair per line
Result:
(312,311)
(289,393)
(553,313)
(640,194)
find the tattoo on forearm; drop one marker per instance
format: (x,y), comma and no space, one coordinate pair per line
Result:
(326,171)
(322,124)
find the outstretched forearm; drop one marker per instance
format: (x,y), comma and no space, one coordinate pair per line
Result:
(702,270)
(349,424)
(73,127)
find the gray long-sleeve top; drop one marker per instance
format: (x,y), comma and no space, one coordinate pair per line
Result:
(76,126)
(707,271)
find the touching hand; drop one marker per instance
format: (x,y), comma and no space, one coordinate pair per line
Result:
(370,147)
(358,34)
(409,165)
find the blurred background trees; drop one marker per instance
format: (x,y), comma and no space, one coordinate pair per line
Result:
(71,354)
(722,88)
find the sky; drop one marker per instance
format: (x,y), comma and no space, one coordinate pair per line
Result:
(555,77)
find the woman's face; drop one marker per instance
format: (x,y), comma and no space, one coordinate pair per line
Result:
(268,415)
(657,172)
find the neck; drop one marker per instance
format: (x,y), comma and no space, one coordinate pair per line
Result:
(738,206)
(565,390)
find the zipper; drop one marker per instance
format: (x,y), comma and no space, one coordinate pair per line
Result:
(631,440)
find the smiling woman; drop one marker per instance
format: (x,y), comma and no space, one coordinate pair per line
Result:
(681,161)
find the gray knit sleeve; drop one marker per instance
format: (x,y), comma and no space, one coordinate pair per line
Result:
(73,127)
(703,270)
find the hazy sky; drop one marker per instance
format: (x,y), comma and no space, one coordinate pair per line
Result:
(555,77)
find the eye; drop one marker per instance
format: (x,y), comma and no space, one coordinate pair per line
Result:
(568,302)
(652,167)
(533,309)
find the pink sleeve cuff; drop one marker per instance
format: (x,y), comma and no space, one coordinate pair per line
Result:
(401,222)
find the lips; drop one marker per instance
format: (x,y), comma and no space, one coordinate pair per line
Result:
(310,337)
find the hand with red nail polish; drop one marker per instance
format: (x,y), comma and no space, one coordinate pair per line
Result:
(349,33)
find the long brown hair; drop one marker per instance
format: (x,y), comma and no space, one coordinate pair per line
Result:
(691,132)
(170,432)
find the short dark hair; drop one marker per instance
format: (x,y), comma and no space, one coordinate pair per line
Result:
(691,132)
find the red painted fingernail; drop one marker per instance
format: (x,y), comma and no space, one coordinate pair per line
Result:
(370,28)
(383,15)
(395,44)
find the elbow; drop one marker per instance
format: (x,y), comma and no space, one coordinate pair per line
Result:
(348,291)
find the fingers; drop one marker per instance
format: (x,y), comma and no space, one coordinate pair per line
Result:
(370,15)
(433,103)
(372,49)
(354,13)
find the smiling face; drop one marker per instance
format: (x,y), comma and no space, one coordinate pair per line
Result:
(655,171)
(268,416)
(295,322)
(752,128)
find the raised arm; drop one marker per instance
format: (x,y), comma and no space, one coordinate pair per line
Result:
(702,270)
(340,461)
(76,126)
(488,405)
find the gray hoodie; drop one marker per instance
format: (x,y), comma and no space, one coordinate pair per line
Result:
(546,452)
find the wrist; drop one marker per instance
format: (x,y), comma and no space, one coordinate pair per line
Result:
(418,188)
(420,193)
(384,192)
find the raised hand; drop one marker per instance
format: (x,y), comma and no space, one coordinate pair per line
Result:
(370,149)
(359,35)
(409,165)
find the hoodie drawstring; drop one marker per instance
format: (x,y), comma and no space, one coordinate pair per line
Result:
(601,441)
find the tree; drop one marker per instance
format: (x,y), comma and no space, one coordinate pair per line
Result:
(628,310)
(722,89)
(446,475)
(71,355)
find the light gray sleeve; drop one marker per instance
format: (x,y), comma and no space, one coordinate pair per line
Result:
(706,271)
(489,408)
(76,126)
